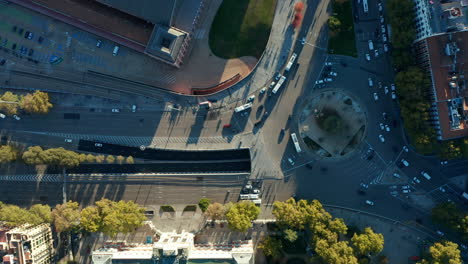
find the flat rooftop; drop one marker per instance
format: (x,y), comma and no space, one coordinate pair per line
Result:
(449,63)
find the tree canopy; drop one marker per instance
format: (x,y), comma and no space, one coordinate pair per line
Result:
(15,216)
(38,102)
(8,154)
(10,104)
(240,215)
(66,216)
(451,216)
(271,247)
(336,253)
(215,211)
(445,252)
(368,242)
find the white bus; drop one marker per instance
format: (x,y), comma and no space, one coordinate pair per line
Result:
(243,107)
(366,6)
(296,143)
(278,84)
(291,62)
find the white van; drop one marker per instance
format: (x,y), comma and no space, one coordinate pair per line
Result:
(427,176)
(371,45)
(116,50)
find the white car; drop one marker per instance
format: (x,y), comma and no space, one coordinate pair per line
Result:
(382,20)
(319,82)
(328,64)
(382,127)
(380,85)
(68,140)
(440,233)
(291,161)
(380,6)
(384,37)
(406,191)
(444,162)
(376,97)
(2,116)
(382,139)
(367,57)
(393,96)
(405,162)
(133,108)
(441,189)
(371,83)
(115,110)
(251,98)
(376,53)
(405,187)
(392,86)
(98,145)
(333,74)
(382,27)
(385,47)
(272,84)
(405,149)
(387,128)
(365,186)
(416,180)
(393,187)
(386,89)
(369,202)
(396,175)
(328,79)
(16,117)
(263,90)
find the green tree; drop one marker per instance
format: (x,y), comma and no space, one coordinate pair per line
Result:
(334,24)
(450,150)
(368,242)
(445,252)
(215,211)
(112,217)
(9,103)
(43,212)
(14,216)
(8,154)
(204,203)
(120,159)
(110,159)
(82,157)
(240,215)
(271,247)
(38,102)
(100,158)
(451,216)
(291,214)
(33,155)
(336,253)
(290,235)
(130,160)
(66,217)
(60,157)
(90,158)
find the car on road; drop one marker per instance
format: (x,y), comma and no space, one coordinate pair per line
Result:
(319,82)
(406,191)
(405,162)
(387,128)
(442,189)
(98,145)
(16,117)
(291,162)
(382,127)
(380,6)
(369,154)
(134,108)
(382,28)
(13,46)
(382,139)
(369,202)
(367,57)
(333,74)
(371,44)
(425,175)
(2,116)
(382,20)
(309,166)
(405,149)
(384,116)
(272,84)
(251,98)
(29,35)
(376,97)
(263,90)
(393,96)
(68,140)
(405,187)
(328,79)
(385,47)
(384,37)
(20,31)
(99,43)
(278,76)
(440,233)
(115,110)
(365,186)
(393,193)
(371,83)
(328,63)
(443,162)
(393,86)
(40,40)
(416,180)
(396,175)
(386,90)
(393,187)
(376,53)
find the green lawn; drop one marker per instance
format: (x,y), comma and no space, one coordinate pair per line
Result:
(343,42)
(241,28)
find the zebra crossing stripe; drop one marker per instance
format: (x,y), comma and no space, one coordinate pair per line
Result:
(32,178)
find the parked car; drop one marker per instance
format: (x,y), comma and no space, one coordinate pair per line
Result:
(365,186)
(387,128)
(382,127)
(16,117)
(405,162)
(376,97)
(393,96)
(405,149)
(371,83)
(68,140)
(98,145)
(382,139)
(396,175)
(115,110)
(386,90)
(367,57)
(369,202)
(416,180)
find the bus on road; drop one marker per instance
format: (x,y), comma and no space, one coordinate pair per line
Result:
(278,84)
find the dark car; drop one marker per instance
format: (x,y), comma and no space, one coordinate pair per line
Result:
(40,39)
(369,154)
(26,34)
(20,31)
(13,47)
(31,52)
(309,166)
(2,62)
(14,29)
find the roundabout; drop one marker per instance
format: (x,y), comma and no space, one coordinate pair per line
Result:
(332,124)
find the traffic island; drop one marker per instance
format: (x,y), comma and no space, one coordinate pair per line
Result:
(332,124)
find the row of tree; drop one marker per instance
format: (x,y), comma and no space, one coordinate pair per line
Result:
(450,216)
(105,216)
(413,84)
(57,156)
(298,216)
(37,102)
(238,215)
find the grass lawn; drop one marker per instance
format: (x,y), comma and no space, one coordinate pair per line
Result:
(241,28)
(343,42)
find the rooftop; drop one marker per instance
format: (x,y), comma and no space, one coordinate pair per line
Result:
(448,63)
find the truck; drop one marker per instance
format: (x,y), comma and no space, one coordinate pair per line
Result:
(278,84)
(291,62)
(296,143)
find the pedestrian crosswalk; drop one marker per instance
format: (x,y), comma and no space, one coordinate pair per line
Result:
(32,178)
